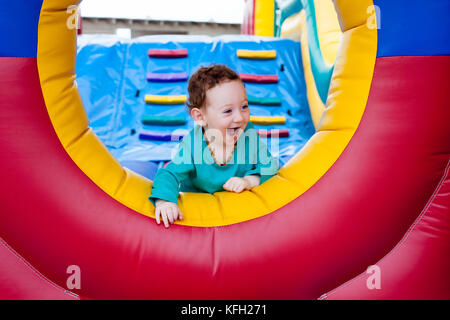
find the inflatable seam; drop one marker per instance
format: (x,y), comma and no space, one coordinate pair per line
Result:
(295,183)
(427,206)
(120,90)
(221,209)
(121,183)
(215,263)
(261,198)
(405,236)
(78,138)
(34,270)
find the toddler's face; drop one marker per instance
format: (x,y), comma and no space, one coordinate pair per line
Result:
(226,111)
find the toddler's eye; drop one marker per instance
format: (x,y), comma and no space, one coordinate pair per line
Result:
(244,106)
(227,111)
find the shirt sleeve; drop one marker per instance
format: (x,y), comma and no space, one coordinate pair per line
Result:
(166,184)
(266,166)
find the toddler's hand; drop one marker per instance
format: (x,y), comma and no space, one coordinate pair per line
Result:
(168,211)
(236,184)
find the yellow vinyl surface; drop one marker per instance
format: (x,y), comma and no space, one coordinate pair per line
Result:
(264,17)
(267,120)
(328,30)
(165,99)
(256,54)
(329,33)
(346,103)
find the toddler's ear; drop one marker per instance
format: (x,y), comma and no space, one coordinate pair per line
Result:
(198,116)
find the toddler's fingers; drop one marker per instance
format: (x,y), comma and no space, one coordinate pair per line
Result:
(175,213)
(157,214)
(236,187)
(230,187)
(164,217)
(180,215)
(170,214)
(240,187)
(231,182)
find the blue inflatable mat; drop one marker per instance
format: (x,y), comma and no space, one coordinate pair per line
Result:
(112,79)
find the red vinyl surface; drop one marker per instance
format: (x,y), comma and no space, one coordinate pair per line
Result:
(20,281)
(54,216)
(253,78)
(418,265)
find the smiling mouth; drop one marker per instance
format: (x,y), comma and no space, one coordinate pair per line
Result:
(234,132)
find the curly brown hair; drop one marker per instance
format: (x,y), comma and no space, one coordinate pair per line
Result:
(206,78)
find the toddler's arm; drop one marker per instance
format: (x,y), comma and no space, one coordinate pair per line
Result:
(166,184)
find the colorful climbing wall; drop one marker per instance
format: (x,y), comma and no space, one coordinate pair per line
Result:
(134,90)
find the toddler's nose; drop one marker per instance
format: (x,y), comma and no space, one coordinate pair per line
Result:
(238,117)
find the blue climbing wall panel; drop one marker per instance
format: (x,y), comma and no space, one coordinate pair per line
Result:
(112,79)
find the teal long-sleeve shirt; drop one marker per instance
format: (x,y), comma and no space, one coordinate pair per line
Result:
(193,168)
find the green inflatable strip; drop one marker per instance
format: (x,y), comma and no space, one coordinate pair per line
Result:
(322,73)
(273,101)
(164,120)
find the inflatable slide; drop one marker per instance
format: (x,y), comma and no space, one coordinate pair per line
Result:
(368,194)
(138,108)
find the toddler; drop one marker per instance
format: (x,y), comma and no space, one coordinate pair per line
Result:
(222,151)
